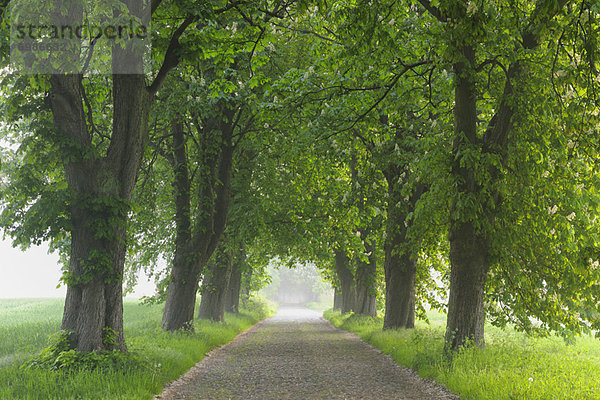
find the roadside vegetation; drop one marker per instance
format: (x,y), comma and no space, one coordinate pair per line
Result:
(155,357)
(512,365)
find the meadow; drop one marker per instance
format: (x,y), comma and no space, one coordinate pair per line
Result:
(511,366)
(26,324)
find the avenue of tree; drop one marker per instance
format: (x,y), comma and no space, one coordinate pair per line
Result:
(423,153)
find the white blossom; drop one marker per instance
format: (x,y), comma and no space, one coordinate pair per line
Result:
(471,8)
(571,216)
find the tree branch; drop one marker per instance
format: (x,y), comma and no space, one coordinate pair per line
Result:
(433,10)
(171,57)
(308,32)
(154,6)
(390,86)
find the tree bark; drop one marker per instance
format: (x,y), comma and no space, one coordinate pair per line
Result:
(400,274)
(214,285)
(246,284)
(102,189)
(366,273)
(214,196)
(469,267)
(469,258)
(400,265)
(181,295)
(346,281)
(102,186)
(232,300)
(337,299)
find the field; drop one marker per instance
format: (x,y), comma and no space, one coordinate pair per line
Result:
(511,366)
(26,324)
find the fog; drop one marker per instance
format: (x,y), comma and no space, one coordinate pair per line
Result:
(298,285)
(34,274)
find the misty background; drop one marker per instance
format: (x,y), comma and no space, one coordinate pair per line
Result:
(34,273)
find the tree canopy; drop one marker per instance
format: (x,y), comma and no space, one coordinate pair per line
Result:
(421,153)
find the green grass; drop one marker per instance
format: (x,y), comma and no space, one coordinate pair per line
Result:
(511,366)
(26,324)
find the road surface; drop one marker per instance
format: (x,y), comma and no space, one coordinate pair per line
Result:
(299,355)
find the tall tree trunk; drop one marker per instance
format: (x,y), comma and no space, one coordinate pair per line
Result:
(400,276)
(214,285)
(469,258)
(232,300)
(246,284)
(366,295)
(365,301)
(181,295)
(214,196)
(400,264)
(400,273)
(346,281)
(102,189)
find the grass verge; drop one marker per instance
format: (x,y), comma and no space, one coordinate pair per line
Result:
(26,324)
(319,306)
(511,366)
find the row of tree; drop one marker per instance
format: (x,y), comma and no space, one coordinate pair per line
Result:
(430,153)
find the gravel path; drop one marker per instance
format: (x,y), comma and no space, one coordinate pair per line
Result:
(299,355)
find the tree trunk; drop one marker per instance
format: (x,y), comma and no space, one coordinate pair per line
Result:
(469,267)
(400,274)
(94,301)
(102,189)
(246,284)
(214,286)
(181,295)
(232,301)
(366,273)
(214,196)
(337,299)
(468,247)
(400,265)
(346,281)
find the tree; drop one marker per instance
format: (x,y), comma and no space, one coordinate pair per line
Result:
(101,163)
(482,158)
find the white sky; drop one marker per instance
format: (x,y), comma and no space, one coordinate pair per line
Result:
(35,273)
